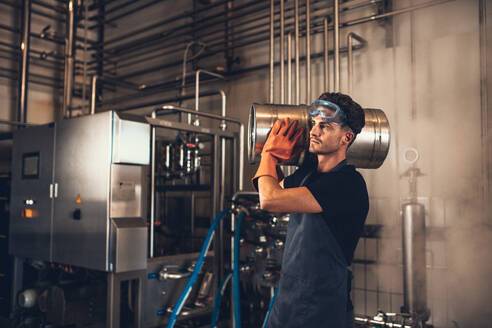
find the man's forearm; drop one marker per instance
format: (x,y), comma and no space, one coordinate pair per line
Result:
(267,186)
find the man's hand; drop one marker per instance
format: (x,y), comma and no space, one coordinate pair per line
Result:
(279,147)
(282,140)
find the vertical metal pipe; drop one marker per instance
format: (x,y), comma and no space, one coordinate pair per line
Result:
(84,57)
(152,187)
(272,48)
(414,262)
(350,63)
(308,53)
(336,38)
(223,127)
(218,242)
(282,53)
(289,68)
(327,69)
(24,63)
(93,94)
(298,86)
(69,58)
(197,91)
(242,157)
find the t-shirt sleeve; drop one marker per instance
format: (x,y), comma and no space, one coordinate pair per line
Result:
(294,180)
(337,193)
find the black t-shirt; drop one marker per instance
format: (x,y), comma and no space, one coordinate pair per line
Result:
(343,197)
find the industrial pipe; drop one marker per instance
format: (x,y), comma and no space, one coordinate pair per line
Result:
(272,49)
(336,39)
(197,90)
(394,12)
(350,65)
(414,262)
(289,68)
(325,41)
(93,94)
(24,62)
(308,54)
(69,59)
(152,187)
(223,127)
(298,87)
(16,123)
(282,54)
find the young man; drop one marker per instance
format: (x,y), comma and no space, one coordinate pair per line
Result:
(328,203)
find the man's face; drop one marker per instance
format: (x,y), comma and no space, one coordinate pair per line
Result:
(327,138)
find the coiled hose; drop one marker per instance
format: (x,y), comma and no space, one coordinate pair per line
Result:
(199,263)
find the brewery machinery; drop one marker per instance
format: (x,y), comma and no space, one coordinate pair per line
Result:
(109,211)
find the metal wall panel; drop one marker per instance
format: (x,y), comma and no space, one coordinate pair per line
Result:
(81,210)
(129,240)
(126,191)
(31,237)
(131,143)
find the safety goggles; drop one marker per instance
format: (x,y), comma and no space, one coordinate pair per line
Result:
(329,112)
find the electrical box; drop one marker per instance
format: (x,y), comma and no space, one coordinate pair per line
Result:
(70,180)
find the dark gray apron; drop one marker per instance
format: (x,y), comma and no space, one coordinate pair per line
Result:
(313,285)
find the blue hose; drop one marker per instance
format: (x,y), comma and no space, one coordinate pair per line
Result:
(218,299)
(235,271)
(272,301)
(199,263)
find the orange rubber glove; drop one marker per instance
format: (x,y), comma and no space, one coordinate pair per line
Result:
(279,147)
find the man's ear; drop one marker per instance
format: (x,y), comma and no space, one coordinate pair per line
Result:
(349,136)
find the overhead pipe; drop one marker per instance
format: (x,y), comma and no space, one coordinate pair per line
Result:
(395,12)
(171,85)
(350,65)
(220,42)
(197,90)
(327,69)
(69,59)
(308,54)
(282,53)
(24,62)
(159,37)
(272,50)
(15,123)
(173,19)
(336,40)
(298,86)
(184,33)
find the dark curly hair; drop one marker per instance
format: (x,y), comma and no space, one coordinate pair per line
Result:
(353,111)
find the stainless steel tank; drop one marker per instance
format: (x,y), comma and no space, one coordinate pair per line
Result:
(369,149)
(414,262)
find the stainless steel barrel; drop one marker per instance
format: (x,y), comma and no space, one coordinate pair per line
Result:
(368,151)
(261,119)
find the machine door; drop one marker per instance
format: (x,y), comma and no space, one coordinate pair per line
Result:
(31,204)
(81,209)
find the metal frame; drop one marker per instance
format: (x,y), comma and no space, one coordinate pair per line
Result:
(114,296)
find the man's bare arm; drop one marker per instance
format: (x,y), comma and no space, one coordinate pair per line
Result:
(275,199)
